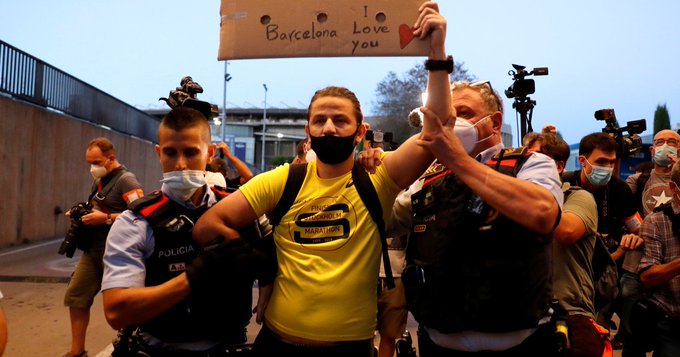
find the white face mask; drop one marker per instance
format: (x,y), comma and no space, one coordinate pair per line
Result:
(184,183)
(468,134)
(98,171)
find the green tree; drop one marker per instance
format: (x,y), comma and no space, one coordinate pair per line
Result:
(398,96)
(661,119)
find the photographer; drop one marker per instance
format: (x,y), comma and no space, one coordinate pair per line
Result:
(650,190)
(112,190)
(618,219)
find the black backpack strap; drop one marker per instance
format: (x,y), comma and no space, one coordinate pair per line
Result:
(100,196)
(296,176)
(369,196)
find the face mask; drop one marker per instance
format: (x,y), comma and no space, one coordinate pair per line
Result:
(333,149)
(468,134)
(661,154)
(98,171)
(184,183)
(599,176)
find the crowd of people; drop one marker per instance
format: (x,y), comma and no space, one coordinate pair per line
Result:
(494,249)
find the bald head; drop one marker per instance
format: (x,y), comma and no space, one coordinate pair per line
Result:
(667,134)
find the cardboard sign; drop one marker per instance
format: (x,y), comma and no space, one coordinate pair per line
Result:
(322,28)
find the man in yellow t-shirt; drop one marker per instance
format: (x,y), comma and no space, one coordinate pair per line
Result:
(324,300)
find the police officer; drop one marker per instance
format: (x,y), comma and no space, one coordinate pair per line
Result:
(149,249)
(113,189)
(478,274)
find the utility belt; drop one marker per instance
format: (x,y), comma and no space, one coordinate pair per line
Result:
(579,335)
(129,343)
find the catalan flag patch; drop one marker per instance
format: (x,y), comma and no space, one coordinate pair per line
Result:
(132,195)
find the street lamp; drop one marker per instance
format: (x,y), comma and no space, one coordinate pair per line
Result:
(264,126)
(227,78)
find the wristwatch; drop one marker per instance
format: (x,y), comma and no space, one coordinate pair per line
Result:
(109,221)
(440,65)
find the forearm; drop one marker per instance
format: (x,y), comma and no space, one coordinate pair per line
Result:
(618,254)
(408,162)
(526,203)
(570,229)
(241,167)
(132,306)
(433,25)
(660,274)
(211,227)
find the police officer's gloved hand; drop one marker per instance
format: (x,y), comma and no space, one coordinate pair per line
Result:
(220,265)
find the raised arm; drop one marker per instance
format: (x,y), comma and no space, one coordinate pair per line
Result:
(410,160)
(240,166)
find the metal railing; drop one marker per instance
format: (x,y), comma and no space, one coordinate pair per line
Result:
(28,78)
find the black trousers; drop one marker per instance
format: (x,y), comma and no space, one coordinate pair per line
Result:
(541,343)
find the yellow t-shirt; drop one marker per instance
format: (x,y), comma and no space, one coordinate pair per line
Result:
(329,252)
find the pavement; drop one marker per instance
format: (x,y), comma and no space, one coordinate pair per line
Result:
(33,280)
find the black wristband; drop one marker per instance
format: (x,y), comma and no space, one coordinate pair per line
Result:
(440,65)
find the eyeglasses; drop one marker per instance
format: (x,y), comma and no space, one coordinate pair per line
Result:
(670,142)
(481,83)
(498,101)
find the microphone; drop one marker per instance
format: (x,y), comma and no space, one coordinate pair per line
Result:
(415,118)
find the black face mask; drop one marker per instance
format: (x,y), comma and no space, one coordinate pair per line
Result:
(333,149)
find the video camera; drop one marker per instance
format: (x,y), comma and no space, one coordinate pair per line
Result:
(521,87)
(70,243)
(628,144)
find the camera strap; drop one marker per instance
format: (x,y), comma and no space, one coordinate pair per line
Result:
(101,195)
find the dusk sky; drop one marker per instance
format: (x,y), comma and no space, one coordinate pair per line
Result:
(601,54)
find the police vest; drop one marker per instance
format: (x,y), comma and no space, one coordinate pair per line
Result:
(470,268)
(188,320)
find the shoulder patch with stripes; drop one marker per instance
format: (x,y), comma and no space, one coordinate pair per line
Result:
(433,170)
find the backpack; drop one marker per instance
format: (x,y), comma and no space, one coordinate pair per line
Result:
(605,271)
(367,193)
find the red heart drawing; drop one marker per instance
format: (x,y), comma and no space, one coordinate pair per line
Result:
(405,35)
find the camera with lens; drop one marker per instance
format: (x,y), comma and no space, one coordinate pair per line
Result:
(75,231)
(521,87)
(628,144)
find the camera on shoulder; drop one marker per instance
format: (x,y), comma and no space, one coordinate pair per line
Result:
(627,144)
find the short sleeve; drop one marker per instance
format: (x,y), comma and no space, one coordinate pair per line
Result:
(128,245)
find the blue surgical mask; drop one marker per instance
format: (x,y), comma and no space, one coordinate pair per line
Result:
(184,183)
(599,175)
(661,154)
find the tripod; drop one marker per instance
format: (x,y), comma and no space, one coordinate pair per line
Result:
(525,108)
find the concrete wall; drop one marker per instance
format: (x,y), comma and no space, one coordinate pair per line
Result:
(43,171)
